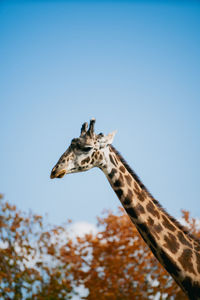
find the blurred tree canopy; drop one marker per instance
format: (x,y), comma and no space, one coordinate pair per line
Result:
(39,261)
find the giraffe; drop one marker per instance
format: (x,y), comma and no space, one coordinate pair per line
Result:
(174,247)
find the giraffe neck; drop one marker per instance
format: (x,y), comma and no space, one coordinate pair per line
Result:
(175,249)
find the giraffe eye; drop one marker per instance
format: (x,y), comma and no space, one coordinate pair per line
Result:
(83,149)
(86,149)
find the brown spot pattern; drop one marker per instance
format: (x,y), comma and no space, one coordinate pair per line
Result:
(128,179)
(139,209)
(182,239)
(119,192)
(136,187)
(186,260)
(129,194)
(167,224)
(127,201)
(112,173)
(118,183)
(128,198)
(171,243)
(121,178)
(122,169)
(111,150)
(140,194)
(151,208)
(150,221)
(131,212)
(158,228)
(86,160)
(112,160)
(115,160)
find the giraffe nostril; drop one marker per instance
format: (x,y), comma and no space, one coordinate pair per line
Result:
(53,173)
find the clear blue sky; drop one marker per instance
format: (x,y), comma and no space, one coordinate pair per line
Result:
(134,65)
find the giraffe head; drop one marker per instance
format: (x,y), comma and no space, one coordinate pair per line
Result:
(84,153)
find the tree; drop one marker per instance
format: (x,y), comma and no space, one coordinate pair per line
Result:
(28,266)
(42,262)
(117,264)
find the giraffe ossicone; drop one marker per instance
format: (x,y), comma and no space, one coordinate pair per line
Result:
(176,249)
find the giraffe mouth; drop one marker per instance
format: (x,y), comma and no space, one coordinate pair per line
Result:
(58,175)
(61,174)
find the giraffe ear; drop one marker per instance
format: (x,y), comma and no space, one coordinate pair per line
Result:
(110,137)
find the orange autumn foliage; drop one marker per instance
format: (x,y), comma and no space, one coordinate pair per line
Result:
(117,264)
(27,271)
(42,262)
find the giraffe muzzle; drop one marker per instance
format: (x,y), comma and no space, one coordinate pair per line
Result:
(55,174)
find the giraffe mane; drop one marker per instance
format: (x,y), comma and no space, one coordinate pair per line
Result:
(156,202)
